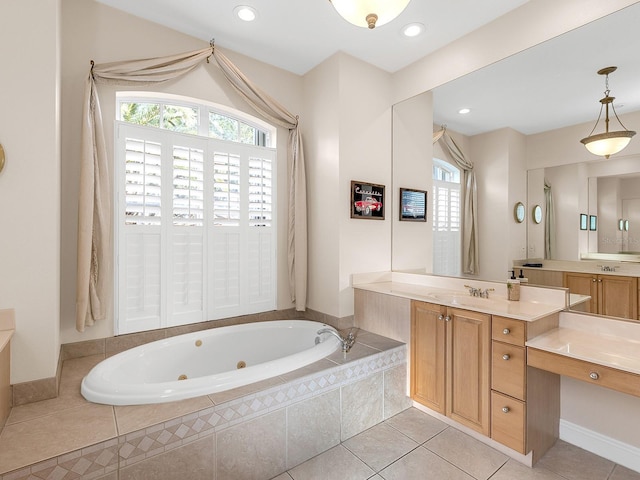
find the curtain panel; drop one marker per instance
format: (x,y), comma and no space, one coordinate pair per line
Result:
(95,255)
(470,258)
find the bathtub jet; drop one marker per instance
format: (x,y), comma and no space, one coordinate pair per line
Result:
(206,362)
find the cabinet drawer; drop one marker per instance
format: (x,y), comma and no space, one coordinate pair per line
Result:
(508,369)
(619,380)
(508,421)
(508,330)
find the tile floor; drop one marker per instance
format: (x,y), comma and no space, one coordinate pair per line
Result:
(415,446)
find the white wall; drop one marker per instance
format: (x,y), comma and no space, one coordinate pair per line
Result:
(413,153)
(365,155)
(30,183)
(322,150)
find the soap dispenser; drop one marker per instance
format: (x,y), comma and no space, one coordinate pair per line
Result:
(513,287)
(522,278)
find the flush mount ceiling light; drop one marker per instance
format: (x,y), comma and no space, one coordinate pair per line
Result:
(464,111)
(413,29)
(246,13)
(369,13)
(607,143)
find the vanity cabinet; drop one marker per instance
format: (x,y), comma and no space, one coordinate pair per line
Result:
(611,295)
(451,363)
(524,410)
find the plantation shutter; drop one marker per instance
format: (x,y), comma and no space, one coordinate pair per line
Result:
(195,229)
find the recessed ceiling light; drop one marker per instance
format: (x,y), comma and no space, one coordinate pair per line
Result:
(246,13)
(413,29)
(464,111)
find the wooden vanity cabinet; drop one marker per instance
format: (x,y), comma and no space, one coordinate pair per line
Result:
(525,406)
(450,364)
(611,295)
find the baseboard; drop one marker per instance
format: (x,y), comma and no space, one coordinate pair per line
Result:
(621,453)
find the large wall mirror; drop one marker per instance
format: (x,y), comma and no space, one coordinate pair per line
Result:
(549,88)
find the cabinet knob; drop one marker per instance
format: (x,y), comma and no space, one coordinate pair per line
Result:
(600,280)
(593,280)
(506,331)
(440,317)
(506,356)
(447,318)
(506,409)
(594,376)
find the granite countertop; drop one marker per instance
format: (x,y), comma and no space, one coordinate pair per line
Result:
(600,340)
(495,305)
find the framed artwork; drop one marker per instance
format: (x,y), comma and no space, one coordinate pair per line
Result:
(413,205)
(593,222)
(583,221)
(367,200)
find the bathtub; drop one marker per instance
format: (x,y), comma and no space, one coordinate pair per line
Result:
(206,362)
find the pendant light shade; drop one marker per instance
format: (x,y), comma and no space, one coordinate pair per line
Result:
(369,13)
(607,143)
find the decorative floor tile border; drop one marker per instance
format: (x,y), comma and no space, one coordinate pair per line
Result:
(125,450)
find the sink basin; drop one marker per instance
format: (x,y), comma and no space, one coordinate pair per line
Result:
(463,300)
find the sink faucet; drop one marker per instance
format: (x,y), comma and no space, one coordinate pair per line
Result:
(607,268)
(346,342)
(478,292)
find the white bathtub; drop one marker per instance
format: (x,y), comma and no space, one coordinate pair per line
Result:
(206,362)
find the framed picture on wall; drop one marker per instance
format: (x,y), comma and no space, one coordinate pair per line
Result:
(583,221)
(593,222)
(413,205)
(367,200)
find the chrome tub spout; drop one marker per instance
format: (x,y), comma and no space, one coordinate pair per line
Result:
(346,342)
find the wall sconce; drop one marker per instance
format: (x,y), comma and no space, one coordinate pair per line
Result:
(607,143)
(369,13)
(626,225)
(621,224)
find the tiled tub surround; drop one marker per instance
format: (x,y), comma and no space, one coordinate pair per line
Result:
(47,388)
(253,432)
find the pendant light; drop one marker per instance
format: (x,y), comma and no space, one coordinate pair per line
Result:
(607,143)
(369,13)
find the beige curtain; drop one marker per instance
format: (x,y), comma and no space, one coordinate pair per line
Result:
(95,259)
(470,258)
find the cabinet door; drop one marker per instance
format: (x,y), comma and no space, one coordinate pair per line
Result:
(617,296)
(428,355)
(468,368)
(583,284)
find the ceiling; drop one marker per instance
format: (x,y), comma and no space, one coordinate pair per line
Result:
(546,87)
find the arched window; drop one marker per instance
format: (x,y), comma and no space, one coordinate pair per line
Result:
(195,212)
(446,218)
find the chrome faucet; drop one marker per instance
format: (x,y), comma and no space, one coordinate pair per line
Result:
(478,292)
(346,342)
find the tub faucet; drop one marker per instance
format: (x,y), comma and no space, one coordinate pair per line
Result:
(346,342)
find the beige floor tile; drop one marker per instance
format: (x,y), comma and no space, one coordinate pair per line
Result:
(416,425)
(283,476)
(337,463)
(68,396)
(421,464)
(467,453)
(622,473)
(513,470)
(135,417)
(574,463)
(44,437)
(380,446)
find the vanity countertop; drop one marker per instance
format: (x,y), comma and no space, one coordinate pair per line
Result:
(495,305)
(608,342)
(596,267)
